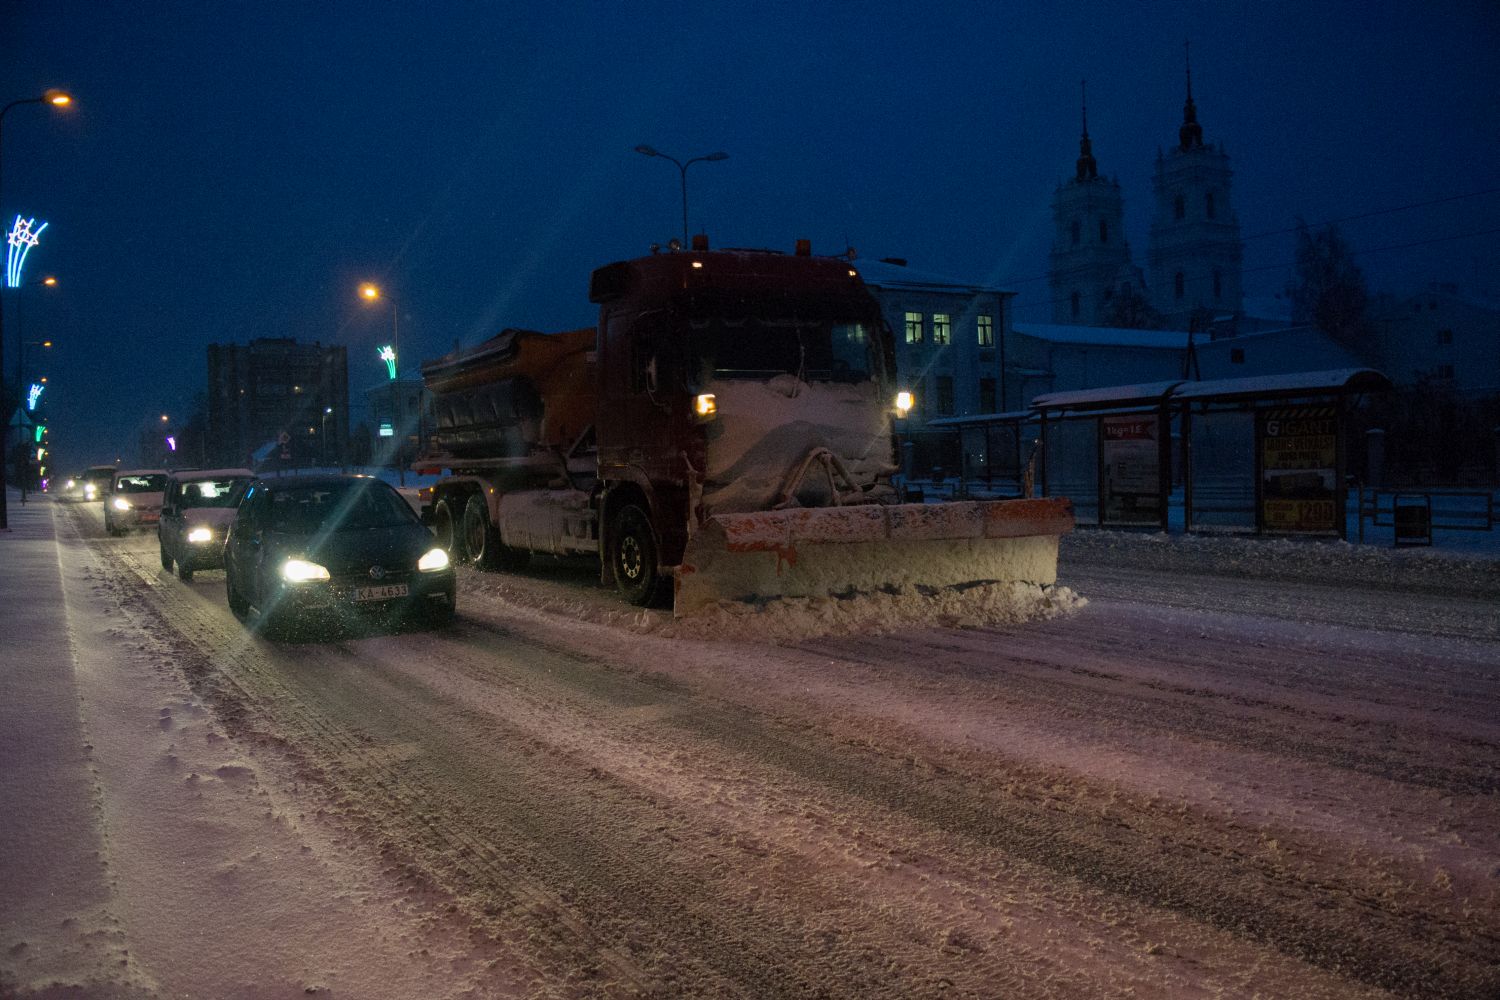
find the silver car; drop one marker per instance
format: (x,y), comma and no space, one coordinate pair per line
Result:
(196,510)
(134,500)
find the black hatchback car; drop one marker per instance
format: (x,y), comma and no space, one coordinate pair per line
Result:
(305,548)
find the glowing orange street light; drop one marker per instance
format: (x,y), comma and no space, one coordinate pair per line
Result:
(58,98)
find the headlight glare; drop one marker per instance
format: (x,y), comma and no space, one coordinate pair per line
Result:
(121,503)
(201,535)
(904,402)
(434,560)
(302,571)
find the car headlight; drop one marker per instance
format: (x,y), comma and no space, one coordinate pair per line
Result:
(121,503)
(201,535)
(434,560)
(90,490)
(302,571)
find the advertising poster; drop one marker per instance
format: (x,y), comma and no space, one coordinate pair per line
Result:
(1299,470)
(1130,473)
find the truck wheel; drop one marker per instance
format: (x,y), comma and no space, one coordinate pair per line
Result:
(633,558)
(481,541)
(444,527)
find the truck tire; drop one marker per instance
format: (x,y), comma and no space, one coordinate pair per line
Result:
(481,541)
(445,527)
(633,558)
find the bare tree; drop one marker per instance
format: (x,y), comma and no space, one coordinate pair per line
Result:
(1328,289)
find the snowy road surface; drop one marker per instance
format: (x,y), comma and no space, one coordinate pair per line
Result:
(1192,785)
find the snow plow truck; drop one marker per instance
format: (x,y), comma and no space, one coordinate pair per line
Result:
(726,432)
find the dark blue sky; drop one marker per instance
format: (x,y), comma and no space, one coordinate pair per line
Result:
(234,170)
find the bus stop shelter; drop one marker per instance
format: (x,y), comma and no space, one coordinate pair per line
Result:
(1264,454)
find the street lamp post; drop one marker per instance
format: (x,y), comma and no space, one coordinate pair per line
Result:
(371,292)
(326,411)
(682,171)
(57,99)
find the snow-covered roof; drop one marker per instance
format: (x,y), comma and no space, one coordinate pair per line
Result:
(1265,386)
(1106,336)
(1291,384)
(193,475)
(1143,394)
(881,274)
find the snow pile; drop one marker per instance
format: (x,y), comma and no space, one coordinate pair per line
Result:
(1331,562)
(794,619)
(791,619)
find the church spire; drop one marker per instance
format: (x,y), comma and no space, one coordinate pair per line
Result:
(1190,136)
(1088,169)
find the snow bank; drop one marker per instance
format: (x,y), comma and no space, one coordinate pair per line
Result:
(1334,562)
(786,620)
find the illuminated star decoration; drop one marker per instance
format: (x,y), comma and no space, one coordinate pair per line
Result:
(171,442)
(34,395)
(21,239)
(388,355)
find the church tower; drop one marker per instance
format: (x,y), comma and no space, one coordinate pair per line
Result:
(1196,250)
(1090,260)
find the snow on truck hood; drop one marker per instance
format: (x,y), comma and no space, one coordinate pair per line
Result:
(764,431)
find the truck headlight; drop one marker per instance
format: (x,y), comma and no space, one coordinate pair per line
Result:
(433,561)
(705,406)
(201,535)
(121,503)
(302,571)
(89,490)
(904,402)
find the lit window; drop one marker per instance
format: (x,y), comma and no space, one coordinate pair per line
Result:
(942,328)
(986,331)
(913,328)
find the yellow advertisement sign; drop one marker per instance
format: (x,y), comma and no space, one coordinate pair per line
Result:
(1299,470)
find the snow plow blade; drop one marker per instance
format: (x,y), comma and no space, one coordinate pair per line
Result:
(838,551)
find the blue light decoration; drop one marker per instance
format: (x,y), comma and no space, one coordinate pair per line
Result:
(34,394)
(388,355)
(22,237)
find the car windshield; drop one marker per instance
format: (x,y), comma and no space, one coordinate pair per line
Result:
(213,492)
(307,510)
(762,347)
(141,484)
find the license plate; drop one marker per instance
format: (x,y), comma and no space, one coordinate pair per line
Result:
(382,593)
(149,518)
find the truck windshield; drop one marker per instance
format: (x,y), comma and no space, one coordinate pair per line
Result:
(762,347)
